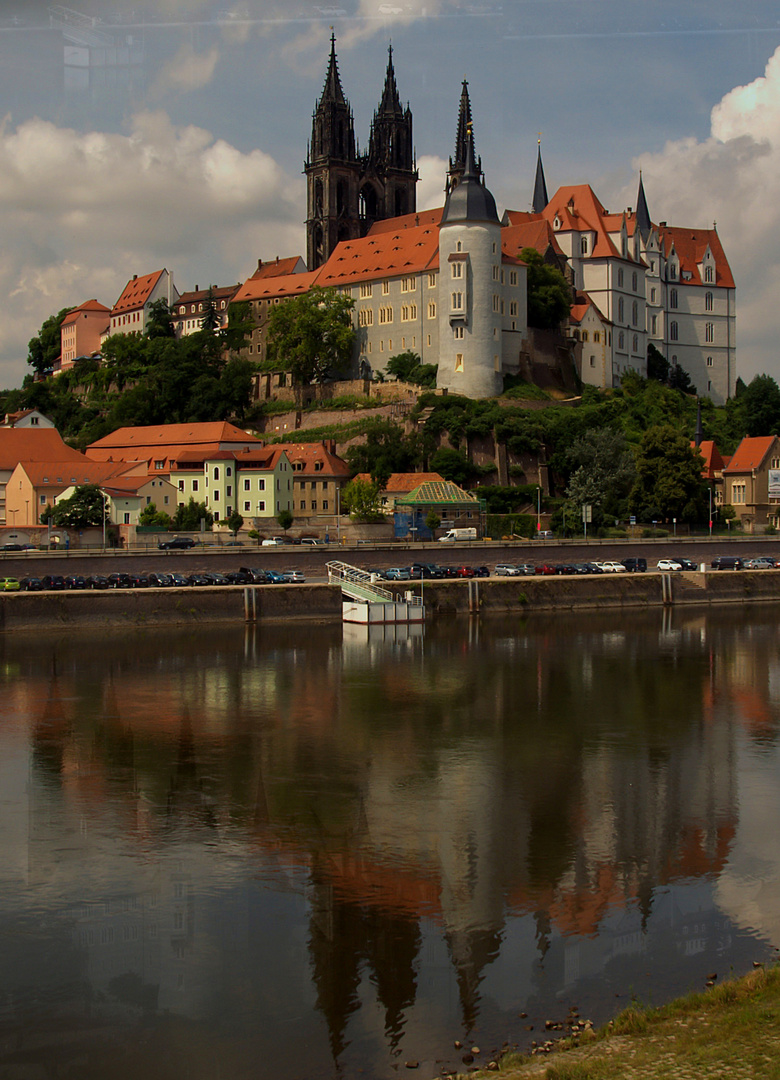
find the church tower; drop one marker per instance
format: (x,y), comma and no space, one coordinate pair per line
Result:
(464,132)
(332,171)
(389,172)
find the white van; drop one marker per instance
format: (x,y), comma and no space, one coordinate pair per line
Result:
(454,535)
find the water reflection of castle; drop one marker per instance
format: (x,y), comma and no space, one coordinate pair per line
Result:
(148,827)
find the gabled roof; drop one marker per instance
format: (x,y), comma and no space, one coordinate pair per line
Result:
(535,232)
(33,444)
(265,288)
(136,293)
(402,483)
(221,292)
(58,474)
(167,436)
(388,254)
(581,306)
(407,221)
(435,492)
(690,246)
(279,268)
(750,454)
(88,307)
(309,454)
(713,462)
(579,210)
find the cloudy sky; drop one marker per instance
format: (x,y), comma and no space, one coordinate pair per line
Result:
(139,135)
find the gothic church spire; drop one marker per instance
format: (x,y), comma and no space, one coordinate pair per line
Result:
(540,199)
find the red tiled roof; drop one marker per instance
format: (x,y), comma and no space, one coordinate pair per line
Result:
(402,483)
(713,462)
(534,232)
(169,437)
(393,253)
(407,221)
(222,292)
(33,444)
(278,268)
(309,454)
(264,288)
(750,454)
(88,305)
(136,292)
(690,246)
(61,474)
(579,210)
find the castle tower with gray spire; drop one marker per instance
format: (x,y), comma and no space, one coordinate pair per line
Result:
(470,338)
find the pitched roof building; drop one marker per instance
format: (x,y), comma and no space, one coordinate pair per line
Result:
(81,332)
(130,314)
(751,482)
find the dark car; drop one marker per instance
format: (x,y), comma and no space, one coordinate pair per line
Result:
(97,581)
(565,568)
(11,547)
(75,581)
(726,562)
(160,581)
(421,571)
(239,577)
(217,578)
(481,571)
(635,565)
(257,576)
(686,564)
(119,581)
(31,584)
(450,571)
(177,543)
(139,581)
(179,581)
(53,582)
(199,579)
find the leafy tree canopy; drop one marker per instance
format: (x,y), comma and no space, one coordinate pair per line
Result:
(82,509)
(669,482)
(361,499)
(406,367)
(150,515)
(604,472)
(759,406)
(160,322)
(310,336)
(549,295)
(386,450)
(285,519)
(188,517)
(45,347)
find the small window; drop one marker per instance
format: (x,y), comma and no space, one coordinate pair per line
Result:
(459,361)
(709,332)
(673,298)
(457,269)
(708,301)
(673,331)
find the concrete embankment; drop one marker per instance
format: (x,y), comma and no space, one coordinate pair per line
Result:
(484,596)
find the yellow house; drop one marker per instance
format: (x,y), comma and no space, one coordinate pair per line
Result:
(751,482)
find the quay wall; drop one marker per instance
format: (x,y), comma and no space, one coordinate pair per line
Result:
(117,608)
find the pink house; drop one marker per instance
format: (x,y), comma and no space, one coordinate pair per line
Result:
(80,332)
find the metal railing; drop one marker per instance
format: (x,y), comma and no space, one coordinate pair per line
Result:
(357,585)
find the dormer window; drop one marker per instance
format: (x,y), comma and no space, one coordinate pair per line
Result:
(709,274)
(583,245)
(557,222)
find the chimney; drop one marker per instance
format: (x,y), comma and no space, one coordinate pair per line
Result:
(259,264)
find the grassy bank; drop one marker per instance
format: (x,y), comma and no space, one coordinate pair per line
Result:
(731,1031)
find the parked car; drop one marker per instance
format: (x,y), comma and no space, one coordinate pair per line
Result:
(119,581)
(217,578)
(53,582)
(160,581)
(546,569)
(764,562)
(398,573)
(257,577)
(139,581)
(668,564)
(685,563)
(526,569)
(97,581)
(11,547)
(239,577)
(565,568)
(481,571)
(726,562)
(610,566)
(178,543)
(9,584)
(274,577)
(199,580)
(31,584)
(425,570)
(635,565)
(179,581)
(466,571)
(295,577)
(75,581)
(310,541)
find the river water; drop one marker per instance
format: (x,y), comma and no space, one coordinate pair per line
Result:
(308,852)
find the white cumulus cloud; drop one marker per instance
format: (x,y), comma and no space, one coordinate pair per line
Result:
(81,213)
(732,178)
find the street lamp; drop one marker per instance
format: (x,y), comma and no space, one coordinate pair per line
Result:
(105,501)
(538,511)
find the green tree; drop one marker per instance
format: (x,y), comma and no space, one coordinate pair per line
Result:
(604,472)
(45,347)
(188,517)
(150,515)
(549,295)
(432,520)
(240,325)
(759,406)
(210,320)
(657,365)
(160,322)
(82,509)
(386,450)
(669,482)
(362,500)
(406,367)
(679,379)
(285,519)
(453,465)
(235,521)
(310,336)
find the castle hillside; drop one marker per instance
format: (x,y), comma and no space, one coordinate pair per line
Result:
(450,285)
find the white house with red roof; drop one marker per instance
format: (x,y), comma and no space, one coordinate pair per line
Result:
(191,309)
(130,314)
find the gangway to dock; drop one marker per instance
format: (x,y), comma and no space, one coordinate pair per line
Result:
(367,602)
